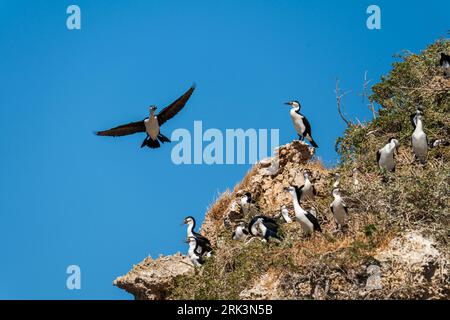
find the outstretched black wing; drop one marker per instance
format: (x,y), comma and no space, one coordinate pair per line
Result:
(123,130)
(314,221)
(171,110)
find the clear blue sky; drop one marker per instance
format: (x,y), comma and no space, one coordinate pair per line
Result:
(69,197)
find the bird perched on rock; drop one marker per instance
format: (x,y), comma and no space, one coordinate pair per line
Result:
(419,140)
(308,192)
(339,209)
(265,227)
(195,252)
(246,201)
(241,232)
(204,245)
(301,124)
(248,207)
(385,156)
(307,220)
(151,125)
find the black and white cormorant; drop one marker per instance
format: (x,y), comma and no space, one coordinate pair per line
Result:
(202,242)
(445,64)
(301,124)
(195,252)
(151,125)
(262,226)
(339,209)
(307,220)
(241,232)
(419,140)
(308,192)
(385,156)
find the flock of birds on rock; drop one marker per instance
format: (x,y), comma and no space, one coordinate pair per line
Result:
(265,227)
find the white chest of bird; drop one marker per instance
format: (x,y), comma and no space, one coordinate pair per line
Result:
(297,120)
(307,226)
(387,161)
(239,234)
(339,211)
(307,191)
(419,142)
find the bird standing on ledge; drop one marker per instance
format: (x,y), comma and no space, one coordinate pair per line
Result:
(385,156)
(301,124)
(152,124)
(419,140)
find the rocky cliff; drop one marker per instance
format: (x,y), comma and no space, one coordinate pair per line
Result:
(397,244)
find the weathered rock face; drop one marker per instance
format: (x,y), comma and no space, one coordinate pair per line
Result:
(266,182)
(414,258)
(150,279)
(407,265)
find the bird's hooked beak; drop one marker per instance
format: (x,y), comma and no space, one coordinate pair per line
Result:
(288,103)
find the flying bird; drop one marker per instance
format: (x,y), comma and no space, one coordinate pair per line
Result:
(151,125)
(301,124)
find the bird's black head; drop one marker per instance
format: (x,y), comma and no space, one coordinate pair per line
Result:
(249,196)
(294,104)
(188,220)
(153,108)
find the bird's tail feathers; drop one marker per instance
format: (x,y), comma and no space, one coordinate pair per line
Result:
(149,142)
(311,140)
(163,138)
